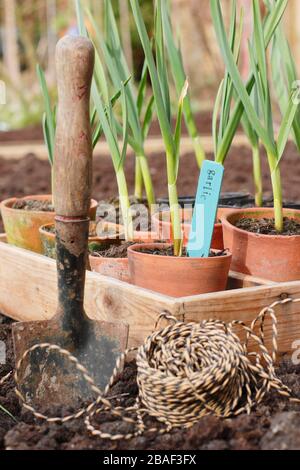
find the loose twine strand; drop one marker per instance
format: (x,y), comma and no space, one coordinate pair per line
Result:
(184,371)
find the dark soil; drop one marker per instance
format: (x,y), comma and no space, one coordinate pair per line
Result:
(35,133)
(267,226)
(30,175)
(169,251)
(116,250)
(33,205)
(29,134)
(273,425)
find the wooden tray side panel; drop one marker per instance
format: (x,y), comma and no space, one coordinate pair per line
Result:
(28,292)
(246,304)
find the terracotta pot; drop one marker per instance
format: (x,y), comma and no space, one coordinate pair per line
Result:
(177,277)
(162,225)
(49,241)
(272,257)
(116,268)
(22,227)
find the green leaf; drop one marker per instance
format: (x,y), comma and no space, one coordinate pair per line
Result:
(8,413)
(93,116)
(179,75)
(161,59)
(148,117)
(236,78)
(162,112)
(260,44)
(142,89)
(286,126)
(97,134)
(117,66)
(99,74)
(270,26)
(47,138)
(284,77)
(125,127)
(177,135)
(216,115)
(48,119)
(227,83)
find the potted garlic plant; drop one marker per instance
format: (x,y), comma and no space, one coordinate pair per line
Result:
(140,112)
(165,45)
(225,122)
(264,242)
(110,258)
(23,217)
(46,230)
(162,267)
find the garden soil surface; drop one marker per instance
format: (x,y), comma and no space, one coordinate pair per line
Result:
(275,424)
(30,175)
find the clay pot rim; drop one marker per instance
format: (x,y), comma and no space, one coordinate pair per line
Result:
(156,216)
(134,249)
(91,239)
(258,210)
(112,240)
(7,203)
(125,260)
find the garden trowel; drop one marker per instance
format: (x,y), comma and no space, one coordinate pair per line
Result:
(47,377)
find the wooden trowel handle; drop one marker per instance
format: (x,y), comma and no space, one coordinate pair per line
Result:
(73,146)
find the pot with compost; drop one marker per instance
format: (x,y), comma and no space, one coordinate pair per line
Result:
(263,242)
(23,217)
(173,269)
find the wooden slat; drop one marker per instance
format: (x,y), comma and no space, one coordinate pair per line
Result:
(28,292)
(245,305)
(238,281)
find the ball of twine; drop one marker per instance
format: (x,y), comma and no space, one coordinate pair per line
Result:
(188,370)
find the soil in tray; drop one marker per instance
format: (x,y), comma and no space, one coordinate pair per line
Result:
(275,424)
(169,251)
(33,205)
(267,226)
(116,250)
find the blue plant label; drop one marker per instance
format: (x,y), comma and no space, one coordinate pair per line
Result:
(205,211)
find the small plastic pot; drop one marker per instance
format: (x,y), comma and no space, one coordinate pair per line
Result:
(174,276)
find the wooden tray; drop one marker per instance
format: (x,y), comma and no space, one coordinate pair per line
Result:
(28,291)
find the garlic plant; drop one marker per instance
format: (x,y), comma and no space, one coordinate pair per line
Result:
(262,124)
